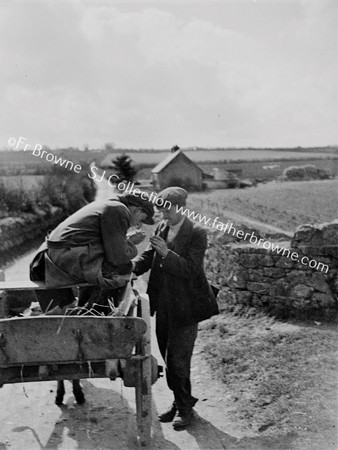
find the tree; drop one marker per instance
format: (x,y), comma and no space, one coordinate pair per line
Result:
(123,167)
(109,146)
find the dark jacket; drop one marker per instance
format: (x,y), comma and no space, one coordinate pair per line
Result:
(179,279)
(88,244)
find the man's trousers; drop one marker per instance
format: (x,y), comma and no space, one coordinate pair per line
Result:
(176,346)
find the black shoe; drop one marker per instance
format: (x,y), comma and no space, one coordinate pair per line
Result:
(183,419)
(168,416)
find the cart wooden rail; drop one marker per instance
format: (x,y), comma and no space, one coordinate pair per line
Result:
(44,348)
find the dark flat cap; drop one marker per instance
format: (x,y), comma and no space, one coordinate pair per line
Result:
(174,194)
(142,202)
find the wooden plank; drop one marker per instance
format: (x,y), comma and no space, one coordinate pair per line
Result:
(143,380)
(25,374)
(52,339)
(27,285)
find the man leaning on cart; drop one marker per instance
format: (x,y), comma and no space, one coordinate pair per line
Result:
(91,246)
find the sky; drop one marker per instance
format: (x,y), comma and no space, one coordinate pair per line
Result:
(153,74)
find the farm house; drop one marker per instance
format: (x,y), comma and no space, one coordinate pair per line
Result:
(177,169)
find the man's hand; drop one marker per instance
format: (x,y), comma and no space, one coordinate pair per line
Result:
(137,237)
(159,245)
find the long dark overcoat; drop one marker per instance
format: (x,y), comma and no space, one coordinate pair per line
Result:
(179,278)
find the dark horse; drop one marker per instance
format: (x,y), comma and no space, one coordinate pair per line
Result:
(77,391)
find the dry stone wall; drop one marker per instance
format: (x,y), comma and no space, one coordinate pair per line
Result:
(255,277)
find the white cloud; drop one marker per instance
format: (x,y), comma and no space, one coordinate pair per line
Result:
(77,73)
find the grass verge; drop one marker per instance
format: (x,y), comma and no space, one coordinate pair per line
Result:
(282,377)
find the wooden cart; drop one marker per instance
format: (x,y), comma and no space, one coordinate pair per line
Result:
(44,348)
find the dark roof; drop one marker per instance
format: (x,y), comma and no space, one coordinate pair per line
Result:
(160,166)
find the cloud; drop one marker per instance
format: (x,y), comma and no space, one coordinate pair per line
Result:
(76,73)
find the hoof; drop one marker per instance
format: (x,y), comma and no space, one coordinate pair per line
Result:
(58,401)
(80,399)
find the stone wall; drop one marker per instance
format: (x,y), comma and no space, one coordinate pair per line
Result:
(253,276)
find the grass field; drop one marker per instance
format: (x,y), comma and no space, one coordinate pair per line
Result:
(21,159)
(266,170)
(27,182)
(229,155)
(285,205)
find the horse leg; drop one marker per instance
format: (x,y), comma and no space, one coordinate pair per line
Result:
(78,393)
(60,392)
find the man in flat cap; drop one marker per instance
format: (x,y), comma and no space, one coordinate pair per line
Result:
(91,246)
(180,296)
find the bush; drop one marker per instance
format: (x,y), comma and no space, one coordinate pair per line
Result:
(294,173)
(17,199)
(311,171)
(70,191)
(307,172)
(64,189)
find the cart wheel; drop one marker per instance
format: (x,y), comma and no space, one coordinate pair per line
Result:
(143,380)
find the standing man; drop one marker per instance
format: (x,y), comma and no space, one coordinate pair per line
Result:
(180,296)
(91,246)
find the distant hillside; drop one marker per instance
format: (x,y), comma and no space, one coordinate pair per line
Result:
(21,162)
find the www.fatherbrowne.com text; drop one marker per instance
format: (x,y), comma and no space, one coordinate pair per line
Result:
(216,223)
(128,187)
(229,228)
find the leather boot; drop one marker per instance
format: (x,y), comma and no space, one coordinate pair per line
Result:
(168,416)
(183,419)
